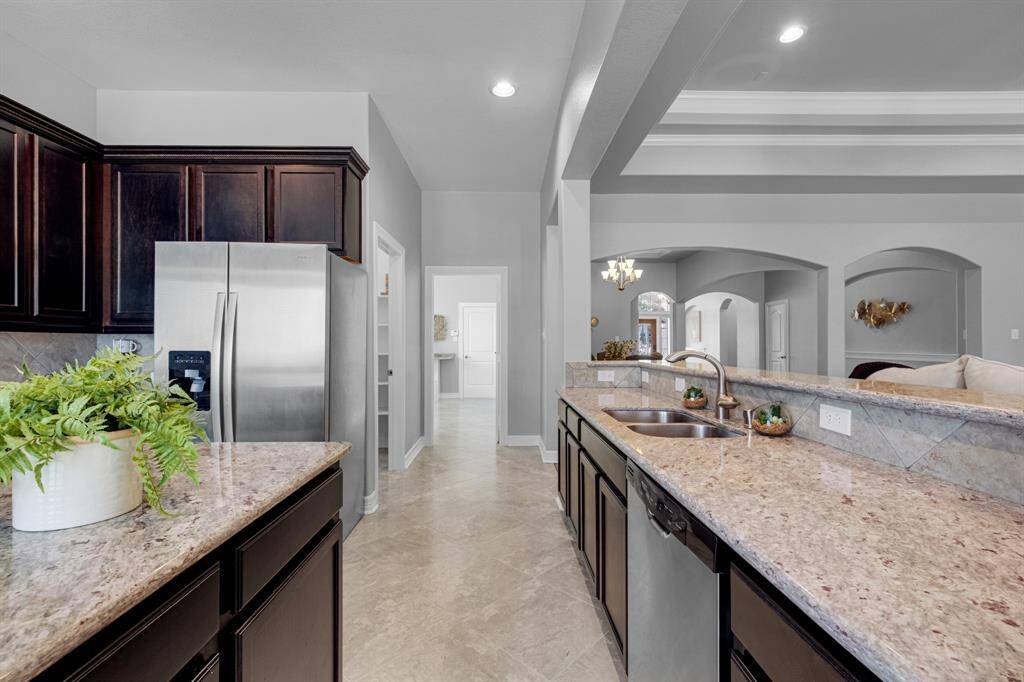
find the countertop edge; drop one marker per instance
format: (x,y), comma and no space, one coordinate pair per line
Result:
(863,648)
(988,414)
(101,619)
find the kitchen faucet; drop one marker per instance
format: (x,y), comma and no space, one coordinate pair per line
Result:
(725,402)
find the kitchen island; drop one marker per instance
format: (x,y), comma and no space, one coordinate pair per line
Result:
(916,578)
(145,596)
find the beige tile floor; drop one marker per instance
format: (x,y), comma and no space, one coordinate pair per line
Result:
(467,571)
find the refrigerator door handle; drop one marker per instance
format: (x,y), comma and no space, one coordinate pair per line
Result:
(229,367)
(215,367)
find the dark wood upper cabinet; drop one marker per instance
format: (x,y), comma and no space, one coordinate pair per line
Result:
(14,262)
(63,234)
(229,203)
(148,203)
(309,205)
(353,209)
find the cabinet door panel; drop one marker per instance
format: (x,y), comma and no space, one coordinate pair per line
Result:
(563,468)
(13,249)
(588,511)
(230,203)
(62,234)
(147,205)
(296,633)
(308,204)
(612,569)
(572,483)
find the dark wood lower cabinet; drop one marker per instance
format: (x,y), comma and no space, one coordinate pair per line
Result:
(563,468)
(296,633)
(612,572)
(572,480)
(194,628)
(588,478)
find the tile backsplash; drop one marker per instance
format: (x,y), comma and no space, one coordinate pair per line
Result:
(43,352)
(46,352)
(984,457)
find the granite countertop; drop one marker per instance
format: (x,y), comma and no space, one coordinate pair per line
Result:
(58,588)
(918,578)
(960,403)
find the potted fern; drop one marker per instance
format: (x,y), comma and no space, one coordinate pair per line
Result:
(85,443)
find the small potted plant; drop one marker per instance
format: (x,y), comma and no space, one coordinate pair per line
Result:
(694,398)
(85,443)
(772,419)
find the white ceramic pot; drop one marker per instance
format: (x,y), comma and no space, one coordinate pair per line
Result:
(90,482)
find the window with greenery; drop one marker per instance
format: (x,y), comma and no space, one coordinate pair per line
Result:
(654,302)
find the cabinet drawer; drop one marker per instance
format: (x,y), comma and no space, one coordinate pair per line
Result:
(778,645)
(295,633)
(262,556)
(611,463)
(561,410)
(163,642)
(573,421)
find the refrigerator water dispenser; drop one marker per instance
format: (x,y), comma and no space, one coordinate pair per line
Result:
(190,369)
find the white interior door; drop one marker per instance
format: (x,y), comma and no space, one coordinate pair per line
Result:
(479,349)
(776,316)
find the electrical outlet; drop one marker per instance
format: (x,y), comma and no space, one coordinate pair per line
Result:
(834,418)
(606,375)
(680,384)
(645,377)
(1015,335)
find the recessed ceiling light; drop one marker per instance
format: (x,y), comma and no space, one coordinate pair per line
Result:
(792,33)
(503,89)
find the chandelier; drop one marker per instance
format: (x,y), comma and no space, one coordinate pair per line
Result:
(620,272)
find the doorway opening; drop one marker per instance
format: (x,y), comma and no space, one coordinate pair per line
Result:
(466,311)
(387,295)
(653,317)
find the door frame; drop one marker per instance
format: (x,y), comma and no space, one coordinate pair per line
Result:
(396,348)
(462,336)
(501,389)
(767,335)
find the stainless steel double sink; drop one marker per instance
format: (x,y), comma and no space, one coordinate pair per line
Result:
(667,423)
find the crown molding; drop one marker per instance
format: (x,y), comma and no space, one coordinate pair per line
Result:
(848,103)
(784,140)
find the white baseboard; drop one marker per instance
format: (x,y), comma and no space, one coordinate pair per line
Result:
(549,456)
(531,441)
(414,451)
(449,396)
(370,503)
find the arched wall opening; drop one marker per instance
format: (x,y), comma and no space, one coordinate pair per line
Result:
(652,314)
(726,325)
(945,318)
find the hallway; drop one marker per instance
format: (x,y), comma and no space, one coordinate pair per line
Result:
(455,578)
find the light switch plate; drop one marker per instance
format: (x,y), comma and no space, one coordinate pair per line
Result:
(645,377)
(606,375)
(680,384)
(832,418)
(1015,335)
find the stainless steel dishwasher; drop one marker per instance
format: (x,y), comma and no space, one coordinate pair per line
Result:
(675,588)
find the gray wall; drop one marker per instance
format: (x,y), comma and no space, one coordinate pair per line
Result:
(498,228)
(394,203)
(834,230)
(800,287)
(614,308)
(31,79)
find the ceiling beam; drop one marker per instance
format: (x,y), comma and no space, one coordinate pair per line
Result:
(692,37)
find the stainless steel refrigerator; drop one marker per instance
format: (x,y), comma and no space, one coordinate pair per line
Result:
(270,340)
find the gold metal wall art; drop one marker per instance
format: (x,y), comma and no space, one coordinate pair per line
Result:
(879,313)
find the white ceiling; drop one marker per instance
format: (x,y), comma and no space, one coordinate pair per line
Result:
(428,64)
(869,45)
